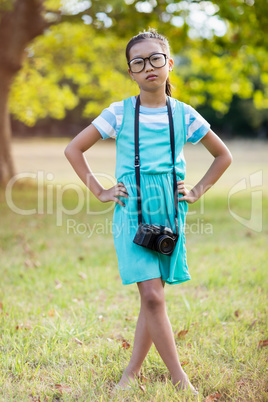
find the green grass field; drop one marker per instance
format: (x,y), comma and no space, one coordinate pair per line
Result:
(66,319)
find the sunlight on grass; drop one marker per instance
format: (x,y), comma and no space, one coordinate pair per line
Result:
(66,320)
(65,314)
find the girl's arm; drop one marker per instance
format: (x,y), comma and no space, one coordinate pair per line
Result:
(74,153)
(223,159)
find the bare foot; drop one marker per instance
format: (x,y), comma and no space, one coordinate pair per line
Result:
(127,379)
(185,384)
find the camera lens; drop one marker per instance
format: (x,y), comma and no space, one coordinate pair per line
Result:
(164,244)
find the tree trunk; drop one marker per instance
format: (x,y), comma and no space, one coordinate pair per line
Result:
(19,24)
(6,162)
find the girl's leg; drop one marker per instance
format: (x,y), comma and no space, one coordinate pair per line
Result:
(159,328)
(142,344)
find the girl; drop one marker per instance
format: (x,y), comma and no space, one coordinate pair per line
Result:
(149,63)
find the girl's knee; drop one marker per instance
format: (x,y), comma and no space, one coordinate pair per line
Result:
(152,297)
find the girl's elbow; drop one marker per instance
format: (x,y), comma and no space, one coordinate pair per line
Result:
(67,151)
(226,158)
(229,158)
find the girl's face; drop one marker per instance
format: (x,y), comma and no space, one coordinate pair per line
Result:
(150,78)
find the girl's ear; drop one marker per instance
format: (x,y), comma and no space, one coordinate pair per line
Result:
(131,75)
(170,64)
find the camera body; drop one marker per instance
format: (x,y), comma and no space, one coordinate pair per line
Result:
(157,238)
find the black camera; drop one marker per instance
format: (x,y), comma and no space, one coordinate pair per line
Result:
(158,238)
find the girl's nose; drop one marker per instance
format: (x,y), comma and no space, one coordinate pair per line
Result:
(148,66)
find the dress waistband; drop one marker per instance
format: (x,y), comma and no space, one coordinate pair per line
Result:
(167,173)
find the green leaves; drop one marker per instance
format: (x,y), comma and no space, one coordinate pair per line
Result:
(65,65)
(77,63)
(34,96)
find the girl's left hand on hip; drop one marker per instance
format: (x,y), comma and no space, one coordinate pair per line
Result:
(188,195)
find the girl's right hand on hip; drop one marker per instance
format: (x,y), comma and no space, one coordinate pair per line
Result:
(112,194)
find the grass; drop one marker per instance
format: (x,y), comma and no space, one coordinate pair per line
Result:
(66,320)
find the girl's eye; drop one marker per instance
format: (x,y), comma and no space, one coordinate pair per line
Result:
(137,62)
(155,58)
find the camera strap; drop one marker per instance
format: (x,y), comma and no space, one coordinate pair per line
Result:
(137,160)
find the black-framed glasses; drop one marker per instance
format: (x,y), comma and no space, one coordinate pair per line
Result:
(157,60)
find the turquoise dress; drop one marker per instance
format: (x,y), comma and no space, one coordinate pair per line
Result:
(136,263)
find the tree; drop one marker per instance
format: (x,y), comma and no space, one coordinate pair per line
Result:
(68,64)
(21,21)
(79,37)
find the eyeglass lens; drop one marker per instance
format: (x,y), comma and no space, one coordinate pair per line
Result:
(157,60)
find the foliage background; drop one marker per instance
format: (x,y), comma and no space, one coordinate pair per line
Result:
(78,66)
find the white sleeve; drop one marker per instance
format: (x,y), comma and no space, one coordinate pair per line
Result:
(108,123)
(196,126)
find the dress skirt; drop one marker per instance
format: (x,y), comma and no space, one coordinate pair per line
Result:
(137,263)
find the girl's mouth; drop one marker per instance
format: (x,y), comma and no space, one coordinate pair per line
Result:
(151,77)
